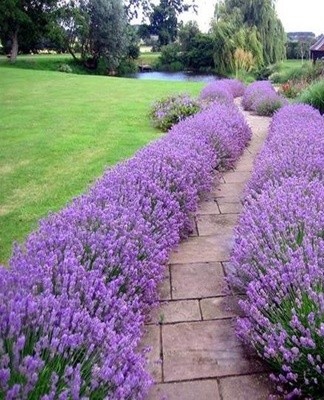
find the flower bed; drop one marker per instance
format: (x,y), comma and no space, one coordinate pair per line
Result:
(72,305)
(279,251)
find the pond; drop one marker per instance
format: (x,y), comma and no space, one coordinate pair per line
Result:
(174,76)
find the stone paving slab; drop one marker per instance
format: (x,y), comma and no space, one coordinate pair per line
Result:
(204,349)
(229,190)
(237,177)
(194,390)
(219,307)
(177,311)
(197,280)
(152,340)
(217,225)
(208,207)
(230,208)
(165,286)
(203,249)
(256,387)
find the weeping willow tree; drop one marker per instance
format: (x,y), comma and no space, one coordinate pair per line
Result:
(250,25)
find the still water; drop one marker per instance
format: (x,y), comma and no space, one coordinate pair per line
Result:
(174,76)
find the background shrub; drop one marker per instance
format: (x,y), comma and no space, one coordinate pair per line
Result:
(169,111)
(314,96)
(65,68)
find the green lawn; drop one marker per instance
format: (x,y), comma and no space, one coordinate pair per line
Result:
(58,132)
(292,70)
(287,65)
(148,58)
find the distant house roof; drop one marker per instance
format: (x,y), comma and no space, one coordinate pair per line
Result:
(319,45)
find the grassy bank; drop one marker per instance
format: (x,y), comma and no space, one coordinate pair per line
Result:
(52,62)
(58,133)
(42,62)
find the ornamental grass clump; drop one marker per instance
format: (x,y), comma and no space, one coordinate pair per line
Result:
(314,95)
(74,301)
(254,92)
(278,253)
(169,111)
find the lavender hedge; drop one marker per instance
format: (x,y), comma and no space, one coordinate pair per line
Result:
(294,147)
(73,303)
(223,91)
(279,250)
(261,97)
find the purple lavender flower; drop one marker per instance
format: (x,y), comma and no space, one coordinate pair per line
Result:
(73,304)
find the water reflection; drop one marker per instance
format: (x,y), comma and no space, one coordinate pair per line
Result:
(174,76)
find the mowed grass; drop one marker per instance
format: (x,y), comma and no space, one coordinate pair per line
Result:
(59,131)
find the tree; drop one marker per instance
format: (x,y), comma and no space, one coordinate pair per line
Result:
(251,26)
(134,7)
(164,22)
(262,15)
(21,18)
(98,28)
(164,19)
(186,34)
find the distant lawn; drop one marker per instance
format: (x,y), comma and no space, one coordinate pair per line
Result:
(287,65)
(292,70)
(58,132)
(148,58)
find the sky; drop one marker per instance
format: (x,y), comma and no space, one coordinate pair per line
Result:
(296,15)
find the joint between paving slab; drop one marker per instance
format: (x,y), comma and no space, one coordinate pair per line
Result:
(216,296)
(170,281)
(216,378)
(195,321)
(196,225)
(215,200)
(161,354)
(200,310)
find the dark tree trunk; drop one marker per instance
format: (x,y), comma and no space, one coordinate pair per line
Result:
(14,46)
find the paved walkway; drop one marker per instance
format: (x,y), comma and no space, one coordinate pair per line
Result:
(196,355)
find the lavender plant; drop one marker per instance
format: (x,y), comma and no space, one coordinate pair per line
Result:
(254,92)
(294,147)
(169,111)
(278,253)
(73,303)
(220,91)
(266,105)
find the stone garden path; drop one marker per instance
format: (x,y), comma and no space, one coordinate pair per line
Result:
(195,354)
